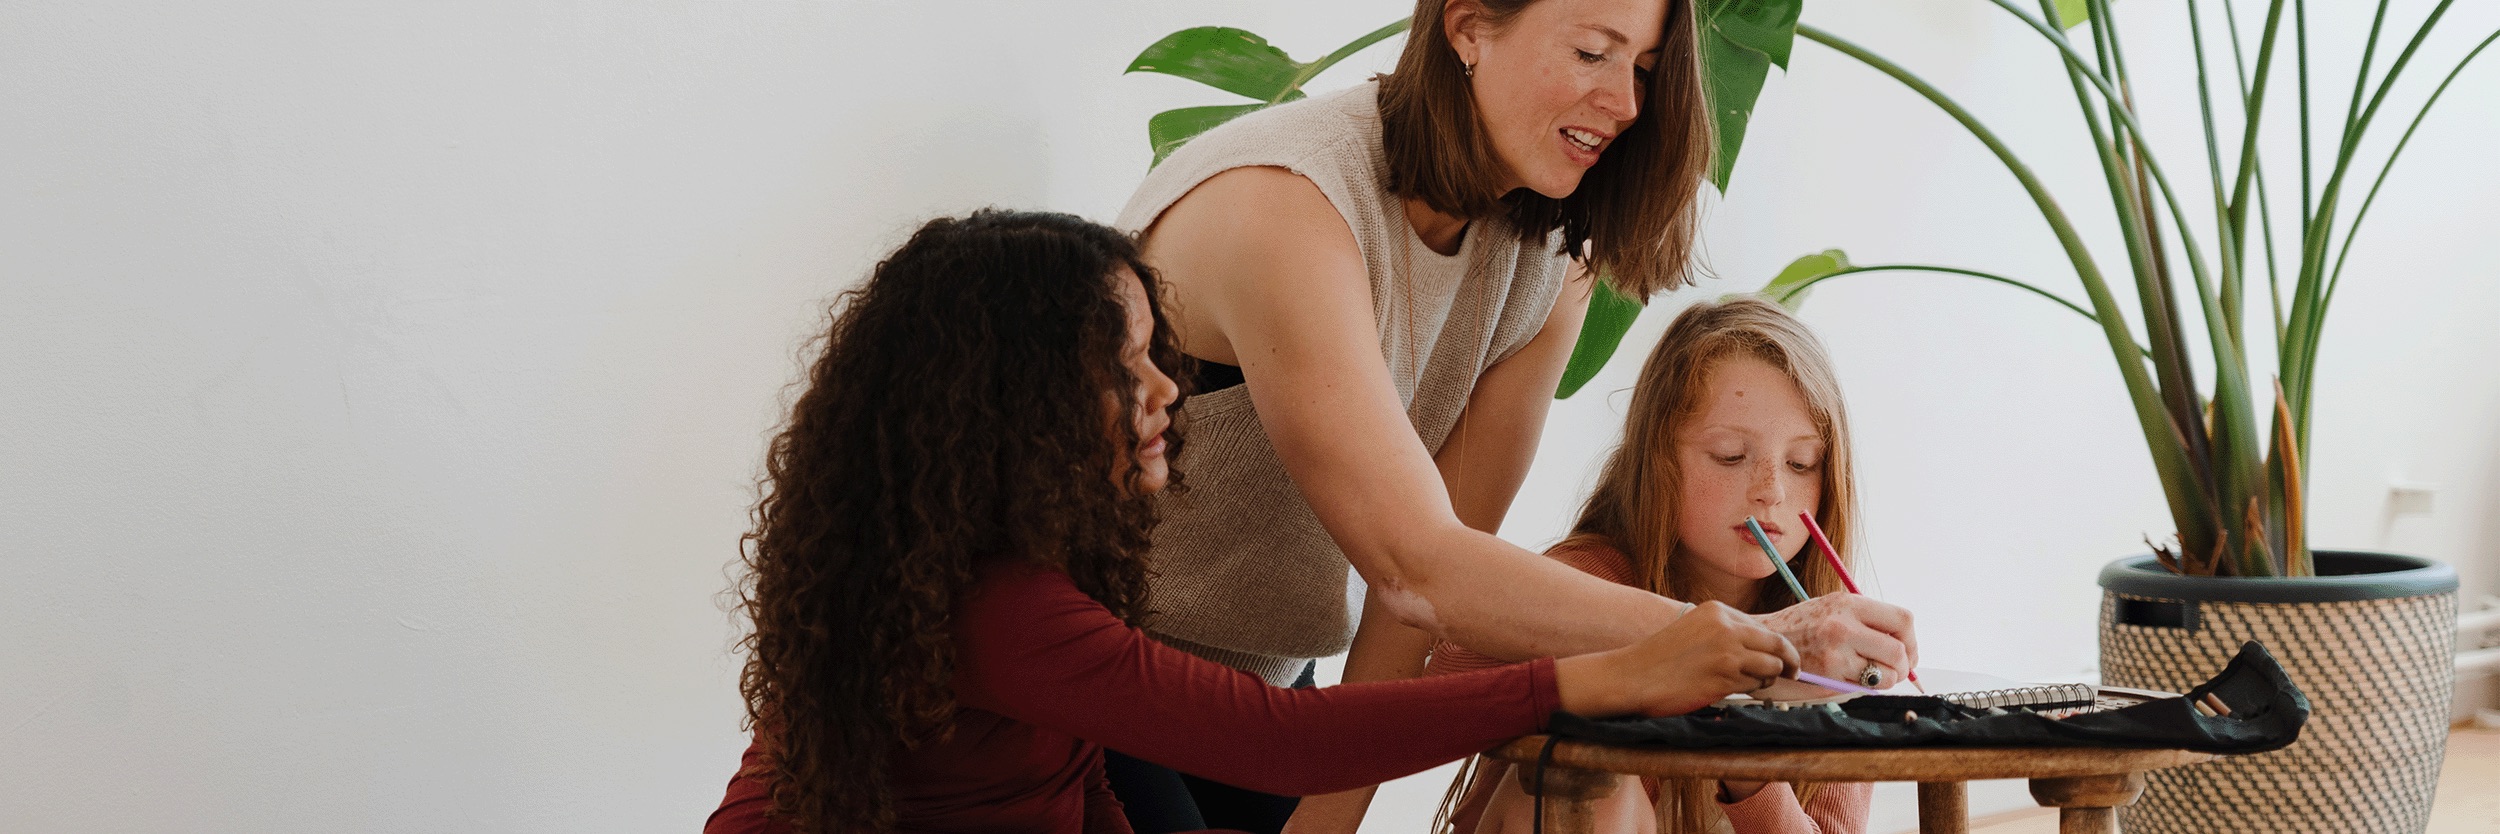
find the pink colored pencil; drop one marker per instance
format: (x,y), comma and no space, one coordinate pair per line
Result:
(1833,555)
(1816,530)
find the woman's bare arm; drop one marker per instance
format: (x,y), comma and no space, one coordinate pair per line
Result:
(1488,452)
(1482,463)
(1259,254)
(1265,274)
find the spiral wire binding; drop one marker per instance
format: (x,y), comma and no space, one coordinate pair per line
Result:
(2043,696)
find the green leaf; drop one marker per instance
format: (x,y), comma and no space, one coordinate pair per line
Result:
(1740,41)
(1610,315)
(1765,26)
(1788,289)
(1235,61)
(1169,129)
(2071,13)
(1225,58)
(1732,77)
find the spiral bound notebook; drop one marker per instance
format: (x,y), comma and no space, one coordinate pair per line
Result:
(2036,696)
(1983,691)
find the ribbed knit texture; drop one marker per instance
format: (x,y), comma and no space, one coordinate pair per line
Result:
(1245,576)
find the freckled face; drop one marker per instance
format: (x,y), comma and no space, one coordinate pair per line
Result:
(1557,84)
(1751,450)
(1154,393)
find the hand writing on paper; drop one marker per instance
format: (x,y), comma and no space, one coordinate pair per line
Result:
(1841,635)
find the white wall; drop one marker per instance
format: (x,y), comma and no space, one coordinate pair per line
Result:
(385,384)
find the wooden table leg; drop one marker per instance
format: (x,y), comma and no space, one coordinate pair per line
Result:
(1571,795)
(1943,808)
(2088,804)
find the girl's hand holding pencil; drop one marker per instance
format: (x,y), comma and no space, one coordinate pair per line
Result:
(1824,544)
(1844,637)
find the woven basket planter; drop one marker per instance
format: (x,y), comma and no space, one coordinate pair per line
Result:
(2371,641)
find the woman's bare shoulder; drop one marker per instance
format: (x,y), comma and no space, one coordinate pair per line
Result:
(1257,248)
(1253,207)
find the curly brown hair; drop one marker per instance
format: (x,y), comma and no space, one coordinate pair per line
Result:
(969,405)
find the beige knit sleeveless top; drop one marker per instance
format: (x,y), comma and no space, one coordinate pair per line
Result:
(1244,574)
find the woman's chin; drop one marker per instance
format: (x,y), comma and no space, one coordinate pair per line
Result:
(1557,187)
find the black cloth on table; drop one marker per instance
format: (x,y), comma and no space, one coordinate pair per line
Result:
(2267,711)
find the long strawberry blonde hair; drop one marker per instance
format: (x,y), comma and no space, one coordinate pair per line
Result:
(1633,508)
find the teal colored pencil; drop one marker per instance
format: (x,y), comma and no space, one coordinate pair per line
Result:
(1764,539)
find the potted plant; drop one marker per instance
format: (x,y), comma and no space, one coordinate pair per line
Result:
(2369,637)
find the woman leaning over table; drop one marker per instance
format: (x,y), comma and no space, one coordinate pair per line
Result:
(1382,286)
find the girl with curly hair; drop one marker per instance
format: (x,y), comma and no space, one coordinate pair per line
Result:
(946,574)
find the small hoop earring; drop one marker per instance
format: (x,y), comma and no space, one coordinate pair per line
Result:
(1469,69)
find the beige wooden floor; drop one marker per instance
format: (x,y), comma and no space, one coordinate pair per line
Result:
(2468,803)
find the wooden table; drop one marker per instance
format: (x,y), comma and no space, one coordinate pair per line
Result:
(2086,784)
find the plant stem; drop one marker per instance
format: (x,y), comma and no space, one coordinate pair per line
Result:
(2300,52)
(2155,294)
(2234,429)
(1951,270)
(2251,107)
(1313,69)
(2102,51)
(2353,230)
(2335,278)
(2187,237)
(2308,318)
(2161,439)
(2230,234)
(2361,80)
(2274,279)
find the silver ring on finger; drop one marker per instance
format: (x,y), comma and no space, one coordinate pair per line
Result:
(1873,677)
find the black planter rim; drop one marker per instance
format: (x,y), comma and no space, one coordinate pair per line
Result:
(2357,576)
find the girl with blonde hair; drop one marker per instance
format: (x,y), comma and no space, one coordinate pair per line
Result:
(1737,413)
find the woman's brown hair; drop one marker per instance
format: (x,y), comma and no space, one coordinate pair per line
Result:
(1635,212)
(962,411)
(1633,508)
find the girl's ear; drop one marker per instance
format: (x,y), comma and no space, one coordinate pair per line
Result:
(1460,22)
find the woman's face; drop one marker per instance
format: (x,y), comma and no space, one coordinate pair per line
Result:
(1751,450)
(1155,392)
(1560,82)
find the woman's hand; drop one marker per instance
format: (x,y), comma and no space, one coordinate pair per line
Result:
(1708,653)
(1842,635)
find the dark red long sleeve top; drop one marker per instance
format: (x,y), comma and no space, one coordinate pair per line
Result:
(1047,677)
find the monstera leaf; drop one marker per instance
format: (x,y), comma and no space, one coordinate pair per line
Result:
(1227,59)
(1740,41)
(1601,332)
(1237,62)
(1172,128)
